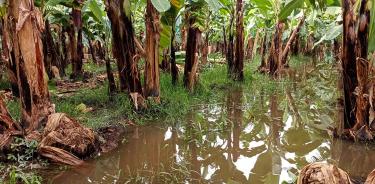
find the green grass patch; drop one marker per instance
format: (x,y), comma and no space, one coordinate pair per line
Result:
(176,101)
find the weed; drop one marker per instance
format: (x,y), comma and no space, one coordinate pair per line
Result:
(15,175)
(22,151)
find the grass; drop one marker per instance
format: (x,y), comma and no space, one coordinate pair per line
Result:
(176,101)
(91,67)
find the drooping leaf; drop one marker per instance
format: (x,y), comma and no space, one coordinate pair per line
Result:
(263,4)
(53,2)
(214,5)
(334,10)
(67,3)
(3,8)
(96,10)
(371,41)
(127,8)
(333,3)
(311,3)
(88,33)
(165,36)
(331,33)
(289,8)
(161,5)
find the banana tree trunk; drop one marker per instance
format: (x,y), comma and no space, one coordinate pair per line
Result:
(152,84)
(205,49)
(362,67)
(93,52)
(174,68)
(349,64)
(9,30)
(296,46)
(58,48)
(336,50)
(2,61)
(63,52)
(255,45)
(263,50)
(355,66)
(309,44)
(275,50)
(191,59)
(123,49)
(28,51)
(249,47)
(52,57)
(224,48)
(239,54)
(111,78)
(184,32)
(230,48)
(76,40)
(292,38)
(101,51)
(106,57)
(165,65)
(47,54)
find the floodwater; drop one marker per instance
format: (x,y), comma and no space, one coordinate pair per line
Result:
(247,136)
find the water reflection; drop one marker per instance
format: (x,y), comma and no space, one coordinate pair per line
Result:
(244,138)
(356,159)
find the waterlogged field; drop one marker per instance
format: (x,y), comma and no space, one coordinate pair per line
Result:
(261,131)
(187,91)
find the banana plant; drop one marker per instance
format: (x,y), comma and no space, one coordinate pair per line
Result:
(97,29)
(170,22)
(95,24)
(284,14)
(171,13)
(330,27)
(74,31)
(53,57)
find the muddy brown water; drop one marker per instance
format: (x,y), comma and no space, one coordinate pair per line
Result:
(265,136)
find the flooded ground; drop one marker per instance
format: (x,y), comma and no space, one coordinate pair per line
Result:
(246,136)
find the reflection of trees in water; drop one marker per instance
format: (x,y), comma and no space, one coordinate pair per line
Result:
(146,153)
(267,167)
(235,117)
(319,83)
(205,148)
(277,143)
(357,159)
(192,132)
(226,156)
(280,141)
(297,138)
(107,167)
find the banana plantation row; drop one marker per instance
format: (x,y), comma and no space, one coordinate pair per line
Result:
(43,37)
